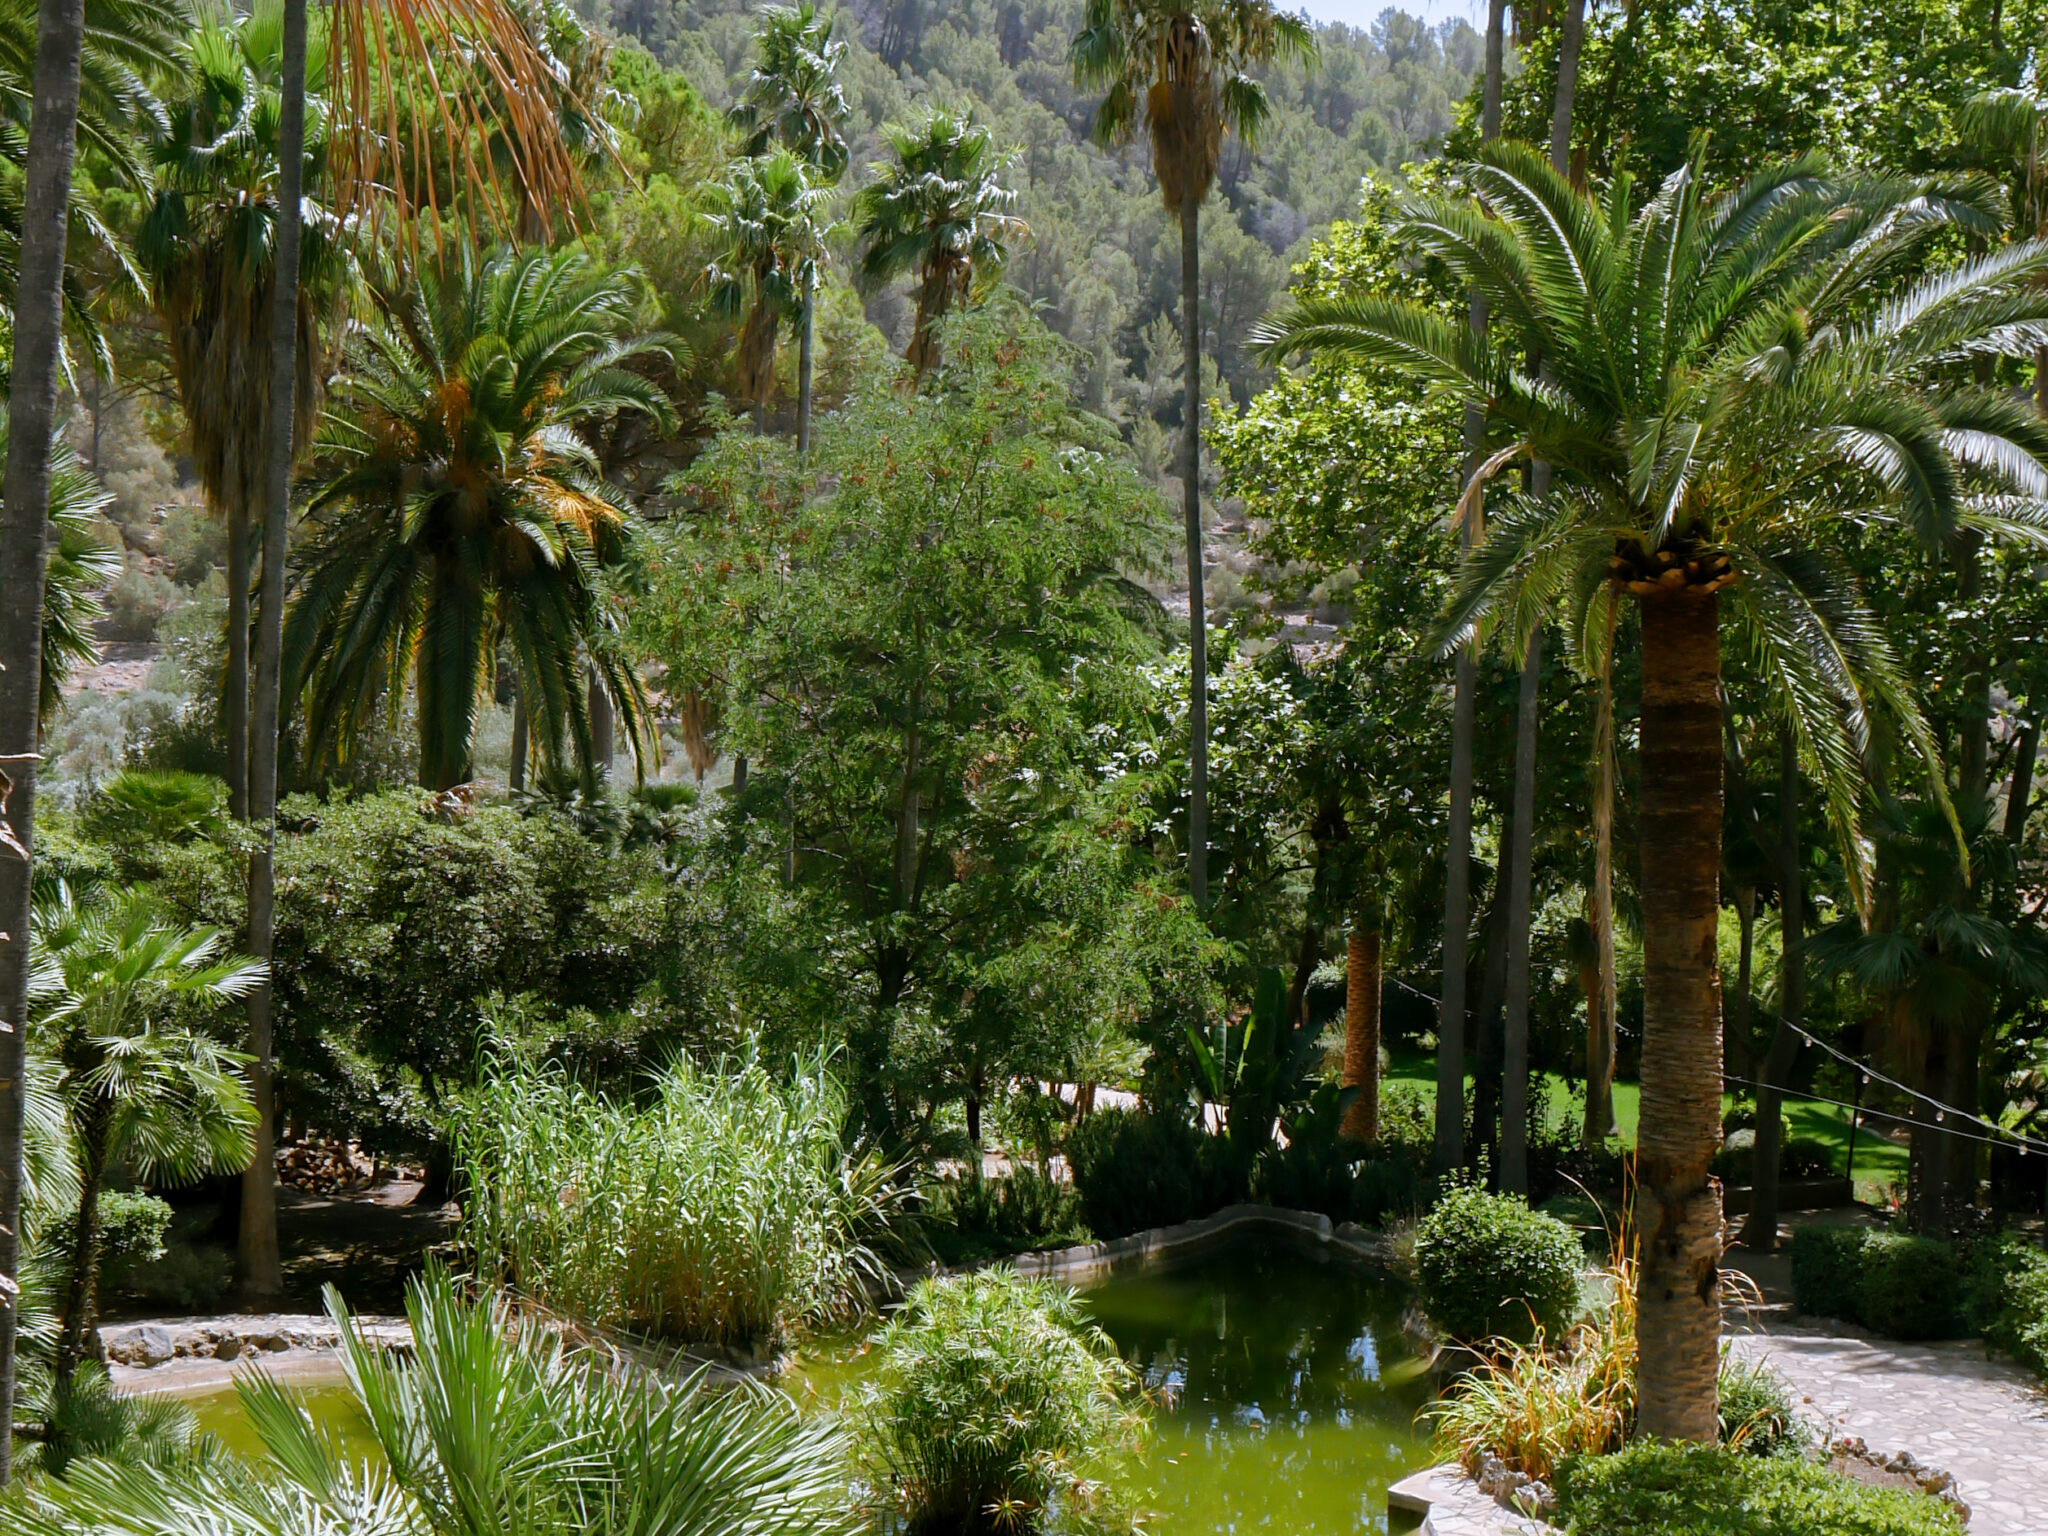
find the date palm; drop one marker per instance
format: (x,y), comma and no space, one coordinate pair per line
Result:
(207,248)
(1185,71)
(459,508)
(141,1089)
(1726,378)
(937,211)
(768,215)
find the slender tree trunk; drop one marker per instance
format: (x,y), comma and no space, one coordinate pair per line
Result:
(803,366)
(602,744)
(1965,1033)
(1362,1032)
(1487,1046)
(1600,1008)
(234,719)
(2021,789)
(80,1286)
(1191,512)
(1760,1228)
(516,775)
(1737,1039)
(1449,1148)
(1514,1098)
(1567,85)
(907,818)
(1678,1203)
(24,524)
(259,1273)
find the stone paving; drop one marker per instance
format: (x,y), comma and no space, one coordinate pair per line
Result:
(1982,1420)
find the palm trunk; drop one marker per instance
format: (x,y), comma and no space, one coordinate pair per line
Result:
(1449,1147)
(515,776)
(601,729)
(1514,1097)
(2021,789)
(1361,1120)
(1737,1041)
(1600,1008)
(1191,512)
(259,1274)
(1493,985)
(24,523)
(803,366)
(235,691)
(1760,1229)
(1567,85)
(1678,1203)
(80,1287)
(1967,1030)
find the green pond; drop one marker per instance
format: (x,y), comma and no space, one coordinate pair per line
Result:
(1285,1390)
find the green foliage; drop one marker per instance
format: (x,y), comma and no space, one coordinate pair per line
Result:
(1827,1270)
(1318,1171)
(1488,1267)
(137,814)
(1017,1211)
(997,1406)
(132,1229)
(88,1421)
(724,1208)
(1756,1410)
(1135,1171)
(2008,1300)
(1798,1158)
(1671,1490)
(1902,1286)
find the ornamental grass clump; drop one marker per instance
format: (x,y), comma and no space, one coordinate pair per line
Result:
(998,1407)
(724,1208)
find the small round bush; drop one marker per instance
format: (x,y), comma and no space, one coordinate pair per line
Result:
(1704,1490)
(1910,1288)
(1756,1410)
(1488,1267)
(997,1405)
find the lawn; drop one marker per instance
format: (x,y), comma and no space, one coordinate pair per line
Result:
(1878,1162)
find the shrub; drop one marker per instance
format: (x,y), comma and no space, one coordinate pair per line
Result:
(1911,1287)
(996,1404)
(1135,1171)
(725,1209)
(1671,1490)
(1827,1270)
(1489,1267)
(2008,1300)
(132,1228)
(1024,1209)
(1756,1410)
(1798,1158)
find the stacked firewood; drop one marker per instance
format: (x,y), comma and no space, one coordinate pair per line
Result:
(322,1165)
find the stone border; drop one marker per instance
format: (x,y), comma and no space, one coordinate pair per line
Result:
(146,1345)
(1448,1503)
(1089,1260)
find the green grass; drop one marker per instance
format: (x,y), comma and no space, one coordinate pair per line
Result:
(1878,1161)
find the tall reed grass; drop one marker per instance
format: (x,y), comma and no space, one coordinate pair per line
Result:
(725,1208)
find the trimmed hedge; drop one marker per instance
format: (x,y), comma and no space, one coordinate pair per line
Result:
(1669,1490)
(2008,1300)
(1488,1267)
(1901,1286)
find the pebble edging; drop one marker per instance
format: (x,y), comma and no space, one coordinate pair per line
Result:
(144,1346)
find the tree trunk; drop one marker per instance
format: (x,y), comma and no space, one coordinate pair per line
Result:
(259,1275)
(24,524)
(1600,1008)
(803,366)
(1760,1228)
(516,775)
(1191,512)
(1361,1120)
(1487,1047)
(75,1325)
(602,744)
(234,699)
(1737,1043)
(2021,789)
(1574,25)
(1678,1203)
(906,821)
(1514,1098)
(1449,1148)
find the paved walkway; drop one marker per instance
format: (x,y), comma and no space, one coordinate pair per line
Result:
(1984,1421)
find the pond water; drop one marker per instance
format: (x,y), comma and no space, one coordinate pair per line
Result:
(1286,1391)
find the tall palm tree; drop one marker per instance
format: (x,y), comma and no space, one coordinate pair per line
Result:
(1724,380)
(141,1089)
(207,246)
(461,509)
(938,211)
(1184,68)
(793,98)
(767,215)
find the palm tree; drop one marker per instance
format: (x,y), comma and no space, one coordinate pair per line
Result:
(494,1422)
(1184,68)
(793,98)
(1722,383)
(460,508)
(141,1089)
(939,212)
(79,568)
(767,214)
(207,247)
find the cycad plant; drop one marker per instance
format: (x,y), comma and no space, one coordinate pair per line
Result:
(1727,377)
(1185,69)
(497,1425)
(938,211)
(208,250)
(142,1089)
(461,509)
(769,218)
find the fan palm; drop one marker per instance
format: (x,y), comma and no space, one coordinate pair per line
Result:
(461,510)
(937,211)
(207,247)
(1724,376)
(767,213)
(1185,71)
(79,568)
(141,1089)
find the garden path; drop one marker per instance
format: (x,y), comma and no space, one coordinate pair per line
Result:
(1982,1421)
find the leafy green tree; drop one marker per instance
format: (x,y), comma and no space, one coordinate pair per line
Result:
(142,1088)
(938,211)
(207,249)
(460,511)
(1724,389)
(1187,72)
(769,220)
